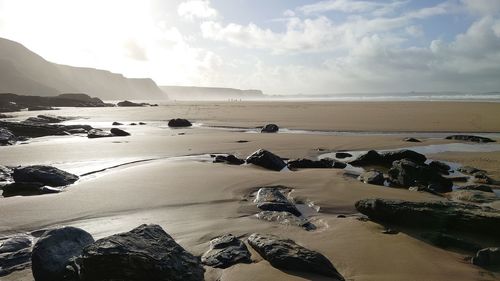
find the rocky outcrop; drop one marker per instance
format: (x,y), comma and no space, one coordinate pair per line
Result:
(372,177)
(15,254)
(440,167)
(55,251)
(13,102)
(27,189)
(372,157)
(285,218)
(226,251)
(98,133)
(45,175)
(179,123)
(452,216)
(116,124)
(286,254)
(270,128)
(33,130)
(127,103)
(229,159)
(7,137)
(266,159)
(470,138)
(119,132)
(144,253)
(479,187)
(272,199)
(47,119)
(487,257)
(407,173)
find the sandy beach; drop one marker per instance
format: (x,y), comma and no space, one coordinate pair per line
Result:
(166,176)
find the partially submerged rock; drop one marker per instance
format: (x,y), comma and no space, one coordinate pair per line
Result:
(179,122)
(342,155)
(303,163)
(117,123)
(229,159)
(47,119)
(372,157)
(266,159)
(470,170)
(407,173)
(27,189)
(46,175)
(98,133)
(226,251)
(470,138)
(487,257)
(285,218)
(273,199)
(56,250)
(372,177)
(119,132)
(127,103)
(144,253)
(270,128)
(286,254)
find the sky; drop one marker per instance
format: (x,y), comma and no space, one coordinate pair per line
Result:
(278,46)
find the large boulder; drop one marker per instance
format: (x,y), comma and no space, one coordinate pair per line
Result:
(470,138)
(226,251)
(46,119)
(144,253)
(407,173)
(179,122)
(308,163)
(372,157)
(266,159)
(27,189)
(286,254)
(119,132)
(270,128)
(273,199)
(98,133)
(452,216)
(7,137)
(46,175)
(487,257)
(372,177)
(55,251)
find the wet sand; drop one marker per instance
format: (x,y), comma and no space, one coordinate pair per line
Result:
(194,200)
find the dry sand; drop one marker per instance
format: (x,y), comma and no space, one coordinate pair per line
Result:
(195,201)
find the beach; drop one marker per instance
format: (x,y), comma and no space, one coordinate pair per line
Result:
(165,176)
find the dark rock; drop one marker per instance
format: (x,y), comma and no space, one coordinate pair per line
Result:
(33,130)
(98,133)
(27,189)
(226,251)
(133,124)
(55,250)
(47,119)
(452,216)
(15,254)
(411,140)
(482,178)
(390,231)
(272,199)
(116,124)
(372,157)
(266,159)
(470,170)
(446,241)
(119,133)
(15,243)
(40,107)
(441,167)
(270,128)
(7,137)
(77,131)
(142,123)
(307,163)
(342,155)
(469,138)
(480,187)
(46,175)
(178,122)
(13,102)
(229,159)
(286,254)
(339,165)
(372,177)
(285,218)
(127,103)
(144,253)
(408,173)
(242,141)
(487,257)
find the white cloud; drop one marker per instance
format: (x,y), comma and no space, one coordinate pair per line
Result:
(415,31)
(350,6)
(196,9)
(483,7)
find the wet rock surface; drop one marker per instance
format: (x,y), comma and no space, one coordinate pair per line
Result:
(7,137)
(226,251)
(179,122)
(47,119)
(470,138)
(285,218)
(372,157)
(229,159)
(273,199)
(15,254)
(98,133)
(487,257)
(144,253)
(27,189)
(286,254)
(266,159)
(270,128)
(56,250)
(46,175)
(372,177)
(407,173)
(119,132)
(342,155)
(303,163)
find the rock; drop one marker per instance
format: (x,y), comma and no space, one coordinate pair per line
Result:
(487,257)
(133,124)
(470,170)
(47,119)
(307,163)
(389,231)
(5,174)
(339,165)
(7,137)
(15,254)
(286,254)
(40,107)
(407,173)
(178,122)
(55,250)
(272,199)
(411,140)
(226,251)
(441,167)
(342,155)
(144,253)
(15,243)
(142,123)
(242,141)
(446,241)
(119,133)
(229,159)
(127,103)
(46,175)
(480,187)
(77,131)
(474,196)
(452,216)
(372,177)
(372,157)
(116,124)
(98,133)
(4,116)
(270,128)
(482,178)
(285,218)
(27,189)
(469,138)
(13,102)
(266,159)
(33,130)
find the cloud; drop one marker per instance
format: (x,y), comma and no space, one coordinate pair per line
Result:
(196,9)
(482,7)
(349,6)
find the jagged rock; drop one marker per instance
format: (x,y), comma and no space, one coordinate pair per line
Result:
(5,174)
(270,128)
(127,103)
(482,178)
(55,250)
(474,196)
(408,173)
(342,155)
(441,167)
(98,133)
(372,177)
(229,159)
(452,216)
(144,253)
(116,124)
(308,163)
(273,199)
(372,157)
(33,130)
(285,218)
(286,254)
(179,122)
(480,187)
(469,138)
(46,175)
(266,159)
(27,189)
(7,137)
(470,170)
(487,257)
(226,251)
(15,254)
(119,132)
(411,140)
(47,119)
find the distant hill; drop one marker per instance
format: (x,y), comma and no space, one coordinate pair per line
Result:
(24,72)
(209,93)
